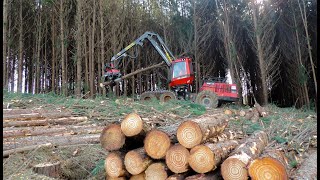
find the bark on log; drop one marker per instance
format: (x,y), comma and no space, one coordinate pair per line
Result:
(115,178)
(177,158)
(205,158)
(28,111)
(255,116)
(178,176)
(45,122)
(23,149)
(193,132)
(307,169)
(112,137)
(34,116)
(261,110)
(132,74)
(132,125)
(270,165)
(234,167)
(12,143)
(207,176)
(35,131)
(156,171)
(141,176)
(48,169)
(226,135)
(114,165)
(136,161)
(156,144)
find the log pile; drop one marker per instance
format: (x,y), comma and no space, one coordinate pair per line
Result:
(29,129)
(186,150)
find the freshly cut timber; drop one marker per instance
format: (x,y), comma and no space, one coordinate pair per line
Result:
(45,122)
(132,125)
(156,171)
(270,165)
(146,96)
(141,176)
(207,98)
(226,135)
(205,158)
(308,168)
(177,158)
(26,148)
(136,161)
(234,167)
(193,132)
(156,144)
(112,137)
(114,165)
(167,96)
(48,169)
(178,176)
(36,115)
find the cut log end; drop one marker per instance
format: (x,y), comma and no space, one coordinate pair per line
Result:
(189,134)
(114,165)
(267,168)
(156,144)
(136,163)
(132,125)
(48,169)
(177,158)
(233,168)
(112,137)
(201,159)
(156,171)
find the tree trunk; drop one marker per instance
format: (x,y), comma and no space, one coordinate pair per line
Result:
(35,115)
(20,61)
(270,165)
(48,169)
(112,137)
(207,157)
(79,48)
(234,167)
(53,63)
(132,125)
(262,67)
(136,161)
(156,144)
(102,25)
(156,171)
(177,158)
(92,52)
(5,43)
(63,54)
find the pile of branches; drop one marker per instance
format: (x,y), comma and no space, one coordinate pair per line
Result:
(199,148)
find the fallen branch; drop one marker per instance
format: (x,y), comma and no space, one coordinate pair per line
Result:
(26,148)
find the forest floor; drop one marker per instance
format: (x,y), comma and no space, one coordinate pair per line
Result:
(76,144)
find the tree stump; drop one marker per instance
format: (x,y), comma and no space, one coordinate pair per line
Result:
(156,144)
(48,169)
(177,158)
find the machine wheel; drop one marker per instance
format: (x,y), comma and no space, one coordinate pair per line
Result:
(167,96)
(146,96)
(208,99)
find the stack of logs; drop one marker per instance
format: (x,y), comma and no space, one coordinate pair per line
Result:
(199,148)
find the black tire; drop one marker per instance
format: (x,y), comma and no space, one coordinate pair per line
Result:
(146,96)
(209,99)
(167,96)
